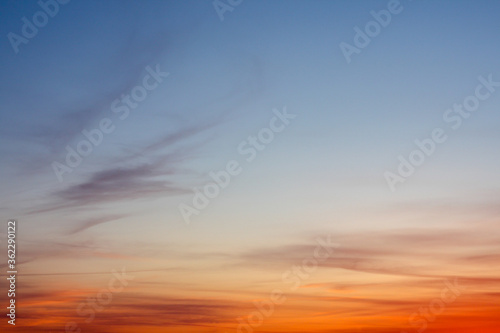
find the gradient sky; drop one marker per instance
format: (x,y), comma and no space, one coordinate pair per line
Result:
(322,176)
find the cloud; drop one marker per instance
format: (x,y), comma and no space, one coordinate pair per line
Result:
(93,222)
(119,183)
(395,286)
(409,253)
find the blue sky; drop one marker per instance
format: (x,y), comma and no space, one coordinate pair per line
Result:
(226,77)
(325,171)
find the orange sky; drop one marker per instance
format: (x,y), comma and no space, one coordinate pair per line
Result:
(267,166)
(405,281)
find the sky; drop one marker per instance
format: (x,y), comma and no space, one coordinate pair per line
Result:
(251,166)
